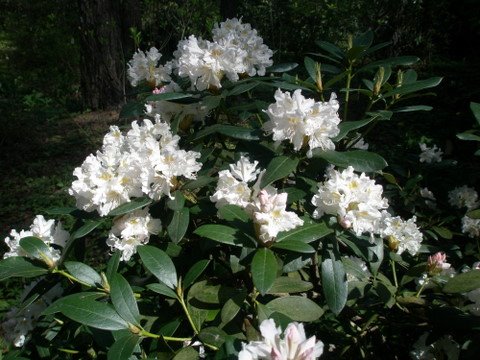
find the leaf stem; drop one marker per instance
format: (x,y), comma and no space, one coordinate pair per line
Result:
(394,271)
(347,90)
(185,309)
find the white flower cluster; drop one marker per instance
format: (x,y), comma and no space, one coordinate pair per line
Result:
(430,155)
(303,121)
(265,206)
(463,197)
(471,227)
(293,346)
(356,200)
(236,49)
(19,322)
(132,230)
(46,230)
(145,66)
(147,160)
(358,204)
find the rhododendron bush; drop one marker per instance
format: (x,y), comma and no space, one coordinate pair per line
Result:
(243,214)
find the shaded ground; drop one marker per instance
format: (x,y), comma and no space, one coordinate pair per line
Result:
(37,160)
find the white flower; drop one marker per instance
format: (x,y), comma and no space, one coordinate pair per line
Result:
(427,194)
(132,230)
(271,216)
(471,227)
(443,348)
(293,346)
(356,200)
(463,196)
(46,230)
(402,235)
(303,121)
(429,155)
(359,272)
(361,144)
(143,66)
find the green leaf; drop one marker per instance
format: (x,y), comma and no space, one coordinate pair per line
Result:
(159,264)
(55,307)
(161,288)
(231,308)
(242,88)
(18,266)
(310,67)
(414,87)
(279,168)
(232,213)
(443,232)
(285,284)
(212,336)
(132,109)
(67,210)
(393,61)
(222,234)
(297,308)
(188,353)
(331,49)
(347,126)
(264,269)
(468,136)
(463,282)
(36,248)
(195,271)
(294,194)
(133,205)
(83,272)
(413,108)
(123,347)
(364,39)
(306,233)
(475,107)
(334,282)
(237,132)
(474,214)
(211,102)
(178,201)
(113,263)
(278,68)
(123,299)
(86,229)
(201,181)
(179,225)
(91,313)
(295,246)
(168,96)
(363,161)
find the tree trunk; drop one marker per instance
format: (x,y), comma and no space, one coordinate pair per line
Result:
(102,61)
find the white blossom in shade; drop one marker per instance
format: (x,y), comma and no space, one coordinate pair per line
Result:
(361,144)
(430,155)
(48,231)
(147,160)
(402,235)
(19,322)
(271,216)
(132,230)
(355,199)
(471,227)
(144,66)
(244,170)
(427,194)
(293,345)
(463,197)
(443,348)
(252,56)
(303,121)
(358,270)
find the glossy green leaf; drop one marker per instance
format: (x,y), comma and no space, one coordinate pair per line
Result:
(55,306)
(297,308)
(360,160)
(393,61)
(237,132)
(443,232)
(278,68)
(199,182)
(222,234)
(232,213)
(279,168)
(414,87)
(161,288)
(83,272)
(179,225)
(92,313)
(113,263)
(295,246)
(468,136)
(306,233)
(67,210)
(331,49)
(123,299)
(242,88)
(212,336)
(231,308)
(474,214)
(264,270)
(287,285)
(347,126)
(133,205)
(123,347)
(18,266)
(334,282)
(412,108)
(86,229)
(463,282)
(159,264)
(188,353)
(475,107)
(169,96)
(310,67)
(195,271)
(178,201)
(36,248)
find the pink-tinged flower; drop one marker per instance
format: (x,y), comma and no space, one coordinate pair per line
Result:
(437,263)
(293,346)
(157,91)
